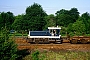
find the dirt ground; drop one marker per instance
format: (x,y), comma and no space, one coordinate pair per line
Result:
(23,44)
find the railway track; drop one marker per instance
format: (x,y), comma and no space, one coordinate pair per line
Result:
(23,44)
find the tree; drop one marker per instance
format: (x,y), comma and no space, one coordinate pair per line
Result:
(6,19)
(50,21)
(69,28)
(19,23)
(85,17)
(35,16)
(62,11)
(89,25)
(64,17)
(74,14)
(78,27)
(8,48)
(64,20)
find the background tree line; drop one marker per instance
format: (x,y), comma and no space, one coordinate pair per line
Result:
(36,18)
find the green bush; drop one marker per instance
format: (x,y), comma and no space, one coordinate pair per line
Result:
(35,55)
(8,48)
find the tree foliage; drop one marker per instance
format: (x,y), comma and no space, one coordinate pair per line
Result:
(64,17)
(77,28)
(81,25)
(74,14)
(64,20)
(19,23)
(50,21)
(89,25)
(8,48)
(6,19)
(85,17)
(69,28)
(35,17)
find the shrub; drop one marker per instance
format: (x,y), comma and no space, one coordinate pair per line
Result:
(35,55)
(8,48)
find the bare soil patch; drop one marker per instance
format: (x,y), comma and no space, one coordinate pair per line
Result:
(23,44)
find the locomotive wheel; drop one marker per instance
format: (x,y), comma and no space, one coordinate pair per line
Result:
(73,41)
(59,42)
(29,40)
(46,40)
(83,41)
(37,41)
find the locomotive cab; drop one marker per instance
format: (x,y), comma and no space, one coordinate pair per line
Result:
(55,32)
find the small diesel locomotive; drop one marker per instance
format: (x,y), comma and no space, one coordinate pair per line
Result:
(52,35)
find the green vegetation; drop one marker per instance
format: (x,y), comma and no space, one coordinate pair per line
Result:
(6,19)
(35,55)
(18,34)
(51,21)
(32,20)
(8,48)
(36,18)
(60,55)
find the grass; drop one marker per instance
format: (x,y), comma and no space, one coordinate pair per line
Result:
(18,34)
(87,35)
(61,55)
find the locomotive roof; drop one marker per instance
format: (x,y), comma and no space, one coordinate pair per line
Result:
(54,27)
